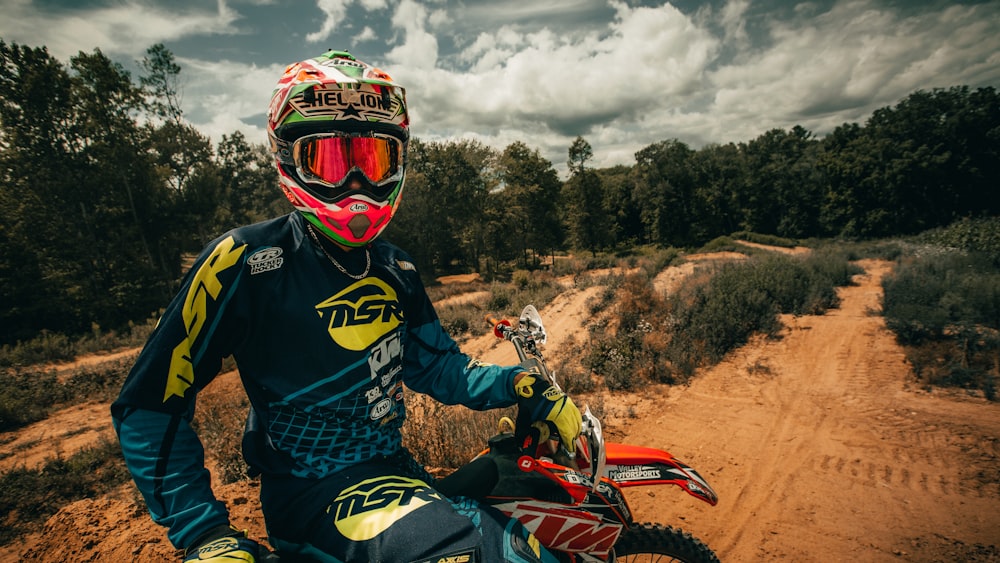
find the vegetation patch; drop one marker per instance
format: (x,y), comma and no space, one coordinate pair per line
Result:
(658,338)
(27,396)
(943,304)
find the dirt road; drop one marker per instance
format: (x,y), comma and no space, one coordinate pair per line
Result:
(819,445)
(821,449)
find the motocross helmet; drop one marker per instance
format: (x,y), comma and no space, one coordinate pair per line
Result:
(334,120)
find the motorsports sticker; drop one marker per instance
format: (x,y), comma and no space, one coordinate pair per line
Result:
(634,473)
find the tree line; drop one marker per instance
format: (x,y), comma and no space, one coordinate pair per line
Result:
(105,187)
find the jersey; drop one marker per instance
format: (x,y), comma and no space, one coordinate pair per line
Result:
(323,358)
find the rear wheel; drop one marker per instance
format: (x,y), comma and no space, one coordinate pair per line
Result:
(658,543)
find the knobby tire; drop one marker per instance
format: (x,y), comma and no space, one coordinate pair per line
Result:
(655,543)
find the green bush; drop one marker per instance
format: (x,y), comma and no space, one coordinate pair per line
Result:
(930,296)
(744,298)
(944,308)
(770,240)
(47,347)
(657,339)
(711,319)
(26,397)
(981,236)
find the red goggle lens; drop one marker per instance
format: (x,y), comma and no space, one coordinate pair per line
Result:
(329,159)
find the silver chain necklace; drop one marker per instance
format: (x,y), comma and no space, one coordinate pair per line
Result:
(368,257)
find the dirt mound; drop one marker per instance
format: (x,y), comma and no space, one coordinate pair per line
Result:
(117,529)
(819,447)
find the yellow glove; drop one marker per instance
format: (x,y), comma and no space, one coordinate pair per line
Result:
(540,401)
(223,545)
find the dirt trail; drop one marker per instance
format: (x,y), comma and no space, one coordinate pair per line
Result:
(817,444)
(820,450)
(60,435)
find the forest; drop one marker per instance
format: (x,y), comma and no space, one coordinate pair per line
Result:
(105,188)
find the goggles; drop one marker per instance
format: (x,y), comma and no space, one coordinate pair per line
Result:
(329,158)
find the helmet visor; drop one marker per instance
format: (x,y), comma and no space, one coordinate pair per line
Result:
(329,158)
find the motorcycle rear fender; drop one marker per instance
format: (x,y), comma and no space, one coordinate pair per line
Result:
(633,466)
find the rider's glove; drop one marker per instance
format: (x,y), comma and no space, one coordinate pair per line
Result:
(223,545)
(539,400)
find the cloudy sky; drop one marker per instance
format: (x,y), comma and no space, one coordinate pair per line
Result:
(621,73)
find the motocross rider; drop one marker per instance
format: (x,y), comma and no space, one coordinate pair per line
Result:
(326,323)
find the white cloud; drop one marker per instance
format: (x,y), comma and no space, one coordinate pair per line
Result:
(334,12)
(420,48)
(219,95)
(544,88)
(733,20)
(654,73)
(127,28)
(367,34)
(825,70)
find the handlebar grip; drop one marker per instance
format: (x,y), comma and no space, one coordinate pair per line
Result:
(500,327)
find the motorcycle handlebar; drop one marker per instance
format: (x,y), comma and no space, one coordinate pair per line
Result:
(501,327)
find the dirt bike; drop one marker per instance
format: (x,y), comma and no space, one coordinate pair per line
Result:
(573,503)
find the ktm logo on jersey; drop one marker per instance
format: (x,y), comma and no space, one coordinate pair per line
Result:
(361,314)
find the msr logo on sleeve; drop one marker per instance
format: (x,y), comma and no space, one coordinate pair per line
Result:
(204,286)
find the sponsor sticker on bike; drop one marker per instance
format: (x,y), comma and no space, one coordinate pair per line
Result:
(634,473)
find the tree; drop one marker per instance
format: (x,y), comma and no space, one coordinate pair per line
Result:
(161,82)
(665,191)
(249,183)
(35,116)
(580,152)
(718,172)
(624,212)
(587,222)
(531,193)
(781,193)
(443,219)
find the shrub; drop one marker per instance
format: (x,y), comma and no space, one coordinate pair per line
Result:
(443,436)
(49,347)
(26,397)
(219,421)
(944,308)
(980,236)
(770,240)
(712,317)
(507,300)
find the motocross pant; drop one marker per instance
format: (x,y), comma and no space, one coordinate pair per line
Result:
(387,510)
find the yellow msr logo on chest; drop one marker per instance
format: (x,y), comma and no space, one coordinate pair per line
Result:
(361,314)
